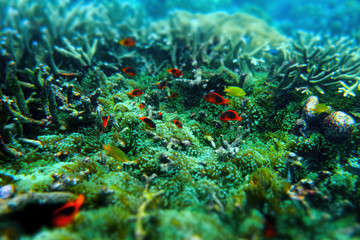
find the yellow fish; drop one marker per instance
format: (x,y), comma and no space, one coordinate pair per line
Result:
(320,108)
(116,153)
(234,91)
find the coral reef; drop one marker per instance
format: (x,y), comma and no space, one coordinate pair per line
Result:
(68,126)
(215,39)
(317,63)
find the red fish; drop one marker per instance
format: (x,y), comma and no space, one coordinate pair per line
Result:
(178,123)
(213,97)
(229,115)
(136,93)
(269,230)
(65,215)
(174,71)
(141,106)
(148,121)
(68,74)
(105,121)
(162,84)
(129,71)
(127,42)
(173,95)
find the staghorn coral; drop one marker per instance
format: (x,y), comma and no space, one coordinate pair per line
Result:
(319,63)
(229,150)
(64,31)
(230,40)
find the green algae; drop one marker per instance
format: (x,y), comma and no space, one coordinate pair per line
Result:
(189,224)
(197,184)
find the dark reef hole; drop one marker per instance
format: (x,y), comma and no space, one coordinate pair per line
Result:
(29,220)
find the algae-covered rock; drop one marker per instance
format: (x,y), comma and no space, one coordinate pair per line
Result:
(338,126)
(29,212)
(21,201)
(190,225)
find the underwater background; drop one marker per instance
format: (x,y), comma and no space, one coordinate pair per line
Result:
(179,119)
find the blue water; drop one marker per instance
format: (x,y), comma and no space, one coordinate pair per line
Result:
(325,16)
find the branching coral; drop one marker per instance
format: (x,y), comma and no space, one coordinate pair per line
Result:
(84,57)
(140,233)
(227,151)
(65,31)
(58,104)
(317,63)
(217,39)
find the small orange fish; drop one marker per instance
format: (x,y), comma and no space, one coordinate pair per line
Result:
(229,115)
(62,154)
(65,215)
(174,71)
(129,71)
(136,93)
(141,106)
(148,121)
(178,123)
(66,74)
(269,230)
(127,42)
(213,97)
(162,84)
(105,121)
(173,95)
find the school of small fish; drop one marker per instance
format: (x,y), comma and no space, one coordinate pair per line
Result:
(65,215)
(211,97)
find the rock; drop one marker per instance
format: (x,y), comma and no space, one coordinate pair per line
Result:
(28,212)
(309,106)
(22,200)
(7,191)
(300,127)
(338,126)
